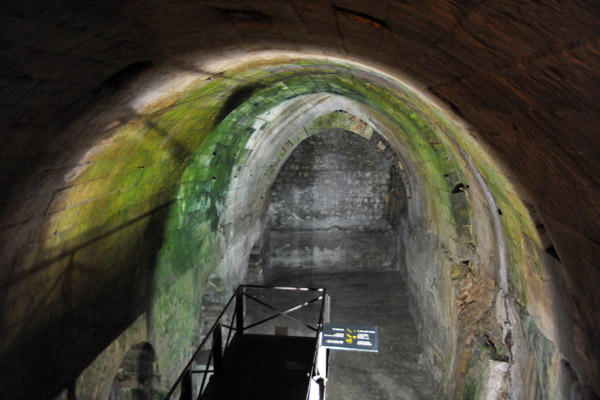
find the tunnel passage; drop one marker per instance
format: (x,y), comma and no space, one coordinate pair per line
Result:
(336,205)
(335,217)
(169,150)
(428,173)
(102,113)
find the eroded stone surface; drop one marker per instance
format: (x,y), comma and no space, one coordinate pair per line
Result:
(371,298)
(523,74)
(336,204)
(337,180)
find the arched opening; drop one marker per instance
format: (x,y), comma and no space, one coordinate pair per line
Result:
(335,216)
(336,205)
(137,378)
(433,227)
(205,155)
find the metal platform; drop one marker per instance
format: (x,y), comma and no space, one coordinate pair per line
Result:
(240,359)
(264,367)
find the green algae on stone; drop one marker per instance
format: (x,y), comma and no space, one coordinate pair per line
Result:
(183,155)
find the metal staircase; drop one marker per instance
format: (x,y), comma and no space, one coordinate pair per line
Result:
(248,354)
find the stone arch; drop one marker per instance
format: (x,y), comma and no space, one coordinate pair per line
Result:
(137,376)
(431,219)
(294,121)
(192,164)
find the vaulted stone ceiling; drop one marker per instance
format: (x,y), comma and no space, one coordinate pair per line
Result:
(523,76)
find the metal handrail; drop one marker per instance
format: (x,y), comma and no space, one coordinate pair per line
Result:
(212,329)
(282,313)
(317,345)
(185,381)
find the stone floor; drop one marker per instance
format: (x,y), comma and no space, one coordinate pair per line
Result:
(370,298)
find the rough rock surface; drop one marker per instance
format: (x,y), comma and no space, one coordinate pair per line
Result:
(336,203)
(396,371)
(522,74)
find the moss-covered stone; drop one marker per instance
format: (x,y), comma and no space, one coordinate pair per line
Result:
(160,185)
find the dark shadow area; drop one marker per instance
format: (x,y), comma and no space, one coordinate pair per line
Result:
(359,17)
(239,96)
(122,77)
(136,376)
(551,251)
(458,188)
(90,314)
(263,367)
(244,17)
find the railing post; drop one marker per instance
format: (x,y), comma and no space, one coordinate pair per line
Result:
(326,309)
(217,349)
(186,386)
(239,311)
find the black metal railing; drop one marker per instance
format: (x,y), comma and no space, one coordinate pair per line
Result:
(207,360)
(318,373)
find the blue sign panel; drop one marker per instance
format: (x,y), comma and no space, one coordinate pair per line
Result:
(350,337)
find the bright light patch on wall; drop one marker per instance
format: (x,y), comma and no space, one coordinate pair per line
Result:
(205,65)
(171,84)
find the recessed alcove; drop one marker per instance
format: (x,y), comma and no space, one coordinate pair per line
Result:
(136,378)
(336,205)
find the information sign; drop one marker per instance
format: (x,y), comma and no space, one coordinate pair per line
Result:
(350,337)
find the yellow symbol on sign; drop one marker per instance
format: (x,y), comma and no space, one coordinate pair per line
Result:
(349,336)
